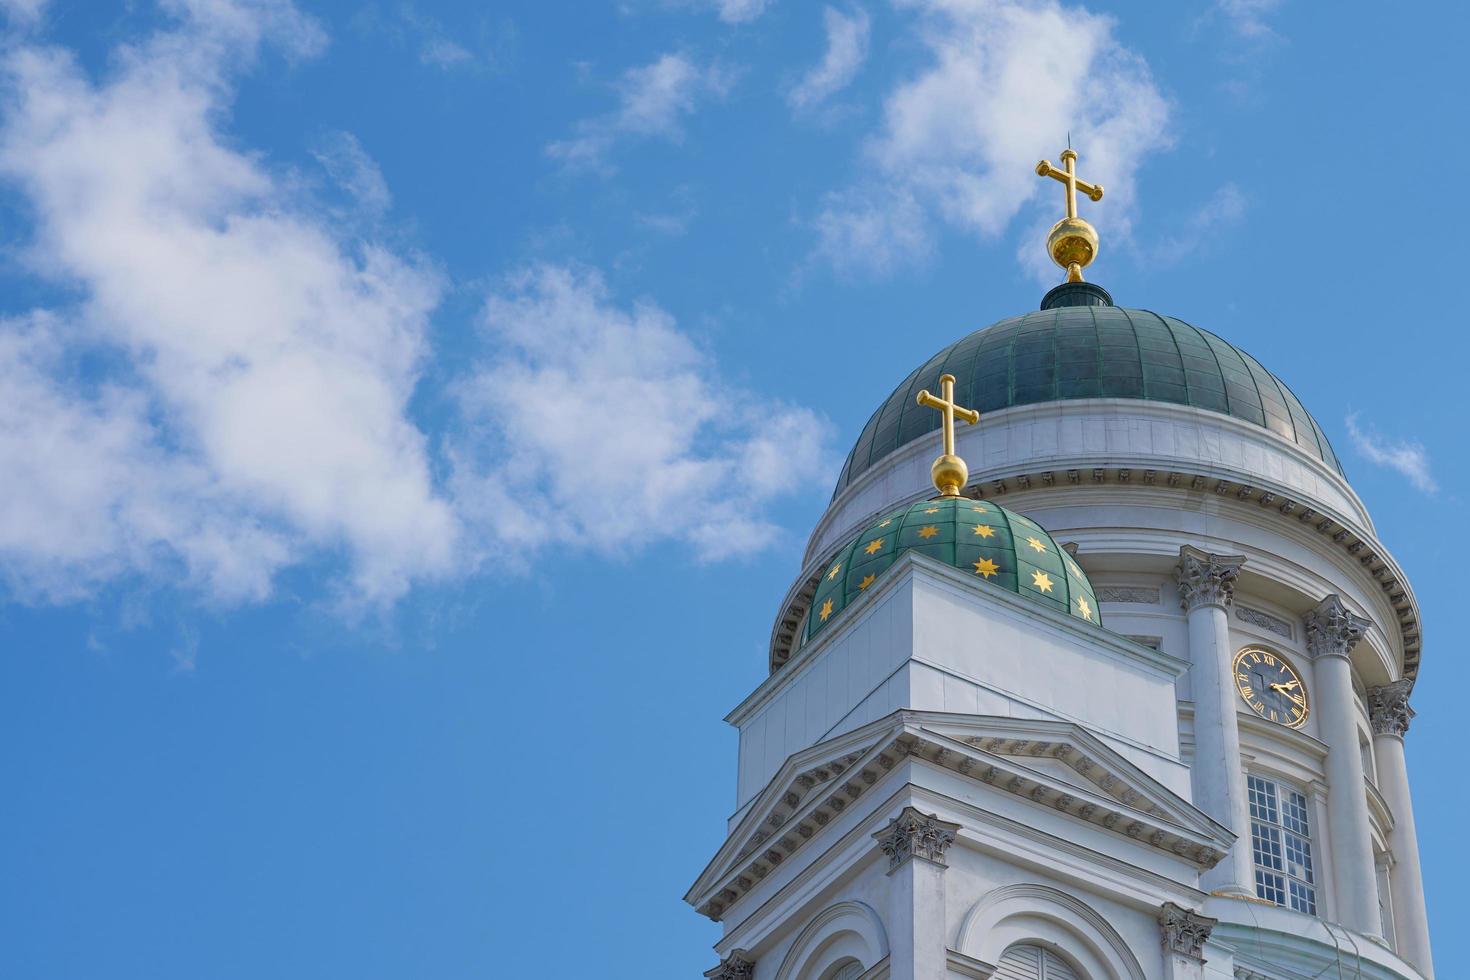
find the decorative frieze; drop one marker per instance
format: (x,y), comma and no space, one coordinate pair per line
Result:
(1388,708)
(1332,629)
(1184,930)
(1141,594)
(1206,579)
(1265,621)
(913,834)
(736,966)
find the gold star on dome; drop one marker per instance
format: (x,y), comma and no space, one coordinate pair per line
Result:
(833,573)
(874,546)
(1084,608)
(885,523)
(979,510)
(826,610)
(1072,567)
(932,510)
(1042,581)
(928,532)
(867,581)
(985,530)
(1036,544)
(986,567)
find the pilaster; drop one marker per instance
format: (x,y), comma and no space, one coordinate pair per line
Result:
(1206,584)
(1389,711)
(1184,932)
(915,844)
(1332,632)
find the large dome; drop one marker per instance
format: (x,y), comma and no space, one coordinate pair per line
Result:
(1075,352)
(983,539)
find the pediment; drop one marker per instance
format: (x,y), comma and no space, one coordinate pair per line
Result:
(1052,763)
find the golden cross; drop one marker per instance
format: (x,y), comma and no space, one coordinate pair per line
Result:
(1069,177)
(949,471)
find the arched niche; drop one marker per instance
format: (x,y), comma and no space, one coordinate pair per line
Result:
(1044,916)
(839,934)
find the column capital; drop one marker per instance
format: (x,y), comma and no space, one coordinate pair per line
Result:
(736,966)
(1184,930)
(913,834)
(1205,579)
(1388,707)
(1333,629)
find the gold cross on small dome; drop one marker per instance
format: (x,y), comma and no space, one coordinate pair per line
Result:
(949,471)
(1072,243)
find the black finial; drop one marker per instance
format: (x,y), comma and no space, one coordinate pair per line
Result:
(1076,294)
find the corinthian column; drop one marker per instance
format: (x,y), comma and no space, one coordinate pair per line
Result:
(916,844)
(1332,632)
(1206,589)
(1388,706)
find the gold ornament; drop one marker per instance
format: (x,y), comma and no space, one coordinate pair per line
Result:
(1072,243)
(949,471)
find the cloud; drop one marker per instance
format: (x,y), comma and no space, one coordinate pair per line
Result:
(23,12)
(1410,459)
(347,163)
(653,101)
(1006,81)
(226,395)
(602,427)
(740,11)
(481,45)
(1224,208)
(847,48)
(1248,18)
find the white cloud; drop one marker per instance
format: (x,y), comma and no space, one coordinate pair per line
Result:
(1007,80)
(740,11)
(1410,459)
(653,101)
(603,427)
(1224,208)
(847,48)
(1248,18)
(347,163)
(255,365)
(23,12)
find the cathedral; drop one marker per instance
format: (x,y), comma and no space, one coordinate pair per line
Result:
(1114,688)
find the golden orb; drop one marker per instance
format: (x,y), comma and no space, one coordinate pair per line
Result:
(949,473)
(1072,245)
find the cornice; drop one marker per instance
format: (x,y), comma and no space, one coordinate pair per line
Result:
(818,784)
(1263,497)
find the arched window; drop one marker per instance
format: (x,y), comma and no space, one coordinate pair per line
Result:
(850,970)
(1027,962)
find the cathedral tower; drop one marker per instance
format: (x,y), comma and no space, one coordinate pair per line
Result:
(1124,698)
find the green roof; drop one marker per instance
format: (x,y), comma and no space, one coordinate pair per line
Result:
(1074,352)
(999,547)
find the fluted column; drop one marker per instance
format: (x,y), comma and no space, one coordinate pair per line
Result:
(1206,590)
(916,844)
(1388,707)
(1332,632)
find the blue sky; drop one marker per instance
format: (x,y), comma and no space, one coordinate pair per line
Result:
(413,412)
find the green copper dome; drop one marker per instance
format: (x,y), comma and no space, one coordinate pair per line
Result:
(995,545)
(1074,352)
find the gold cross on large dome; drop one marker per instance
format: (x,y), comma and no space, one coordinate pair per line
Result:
(1072,243)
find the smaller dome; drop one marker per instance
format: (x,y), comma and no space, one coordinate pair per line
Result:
(995,545)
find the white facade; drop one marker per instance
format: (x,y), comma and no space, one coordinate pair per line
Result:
(952,781)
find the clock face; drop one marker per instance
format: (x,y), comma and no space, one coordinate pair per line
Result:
(1271,686)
